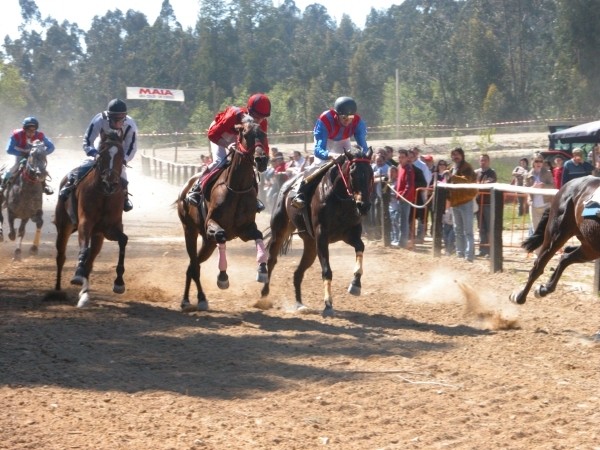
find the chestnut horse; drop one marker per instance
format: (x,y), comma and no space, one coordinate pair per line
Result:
(94,210)
(334,213)
(227,211)
(24,198)
(559,223)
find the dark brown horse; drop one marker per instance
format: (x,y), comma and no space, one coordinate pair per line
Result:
(94,210)
(227,211)
(563,220)
(334,213)
(24,198)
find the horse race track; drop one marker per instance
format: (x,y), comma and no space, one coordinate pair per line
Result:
(432,355)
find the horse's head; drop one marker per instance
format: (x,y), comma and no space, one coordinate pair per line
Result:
(35,167)
(358,172)
(110,160)
(252,141)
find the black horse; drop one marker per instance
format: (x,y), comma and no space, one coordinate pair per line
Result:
(564,219)
(334,213)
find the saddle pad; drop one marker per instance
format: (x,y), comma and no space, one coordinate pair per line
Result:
(205,180)
(594,199)
(591,211)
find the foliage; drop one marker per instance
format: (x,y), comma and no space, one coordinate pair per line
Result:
(414,65)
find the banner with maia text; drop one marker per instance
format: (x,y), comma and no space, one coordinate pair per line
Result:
(149,93)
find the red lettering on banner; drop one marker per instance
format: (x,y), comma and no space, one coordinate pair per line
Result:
(146,91)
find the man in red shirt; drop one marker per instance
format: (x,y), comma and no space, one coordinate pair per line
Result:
(406,193)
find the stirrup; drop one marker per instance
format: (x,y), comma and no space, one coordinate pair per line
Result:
(128,206)
(48,190)
(193,198)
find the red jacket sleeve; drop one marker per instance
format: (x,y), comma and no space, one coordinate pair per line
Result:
(224,122)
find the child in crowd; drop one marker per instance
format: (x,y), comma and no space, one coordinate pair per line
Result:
(394,208)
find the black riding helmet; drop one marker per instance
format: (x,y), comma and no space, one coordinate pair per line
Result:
(116,107)
(345,106)
(31,122)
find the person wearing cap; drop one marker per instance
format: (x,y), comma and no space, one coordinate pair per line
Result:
(576,167)
(115,117)
(332,133)
(222,134)
(19,144)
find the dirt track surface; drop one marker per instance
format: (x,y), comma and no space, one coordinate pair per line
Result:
(431,355)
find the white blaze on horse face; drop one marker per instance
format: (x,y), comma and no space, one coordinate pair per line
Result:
(112,152)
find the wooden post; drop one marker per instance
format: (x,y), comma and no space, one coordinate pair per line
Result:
(496,228)
(440,195)
(596,286)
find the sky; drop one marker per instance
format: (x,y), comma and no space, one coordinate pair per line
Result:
(186,11)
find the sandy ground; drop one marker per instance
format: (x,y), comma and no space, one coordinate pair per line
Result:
(431,355)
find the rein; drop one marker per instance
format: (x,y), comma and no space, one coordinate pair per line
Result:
(346,175)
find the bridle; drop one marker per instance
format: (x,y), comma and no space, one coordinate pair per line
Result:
(35,167)
(346,176)
(110,176)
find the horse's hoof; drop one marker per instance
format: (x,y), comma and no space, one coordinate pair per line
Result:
(118,289)
(17,256)
(202,305)
(186,306)
(328,311)
(538,293)
(354,290)
(1,237)
(84,301)
(264,292)
(223,281)
(77,280)
(12,235)
(262,275)
(33,250)
(514,297)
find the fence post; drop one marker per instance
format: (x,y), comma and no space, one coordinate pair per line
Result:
(596,286)
(496,229)
(440,195)
(386,224)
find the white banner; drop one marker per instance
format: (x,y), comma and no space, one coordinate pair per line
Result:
(149,93)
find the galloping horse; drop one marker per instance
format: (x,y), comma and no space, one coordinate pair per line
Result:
(24,197)
(334,213)
(227,211)
(563,220)
(94,210)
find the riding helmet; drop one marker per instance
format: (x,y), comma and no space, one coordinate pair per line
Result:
(345,106)
(259,104)
(117,106)
(31,122)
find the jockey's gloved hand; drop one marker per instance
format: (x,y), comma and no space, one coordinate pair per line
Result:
(92,153)
(232,147)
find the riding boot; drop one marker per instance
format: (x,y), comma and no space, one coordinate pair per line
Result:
(127,205)
(66,190)
(195,194)
(299,201)
(260,206)
(47,189)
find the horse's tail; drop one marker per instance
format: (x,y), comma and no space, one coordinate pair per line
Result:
(287,245)
(267,233)
(537,238)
